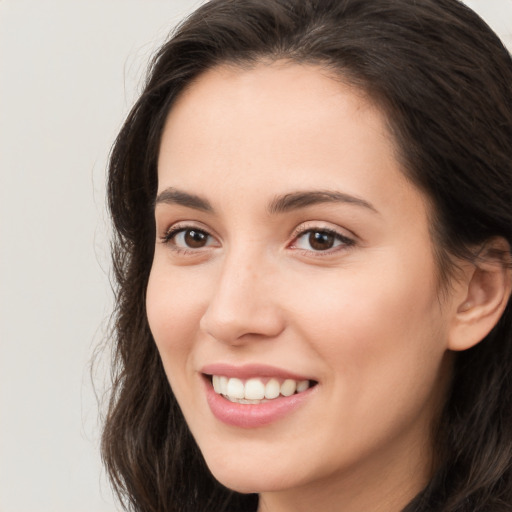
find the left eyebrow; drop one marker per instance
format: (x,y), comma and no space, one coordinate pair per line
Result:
(298,200)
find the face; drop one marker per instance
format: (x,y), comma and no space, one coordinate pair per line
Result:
(293,296)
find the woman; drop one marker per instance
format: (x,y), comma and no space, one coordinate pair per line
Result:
(312,208)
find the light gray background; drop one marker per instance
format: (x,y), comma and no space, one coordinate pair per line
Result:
(69,71)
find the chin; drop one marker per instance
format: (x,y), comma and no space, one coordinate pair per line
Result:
(250,479)
(250,484)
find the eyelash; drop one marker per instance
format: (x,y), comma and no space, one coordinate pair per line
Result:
(301,231)
(345,242)
(170,234)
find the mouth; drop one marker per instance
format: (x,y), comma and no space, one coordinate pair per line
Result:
(257,390)
(255,395)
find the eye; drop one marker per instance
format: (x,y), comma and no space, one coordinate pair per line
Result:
(319,240)
(188,238)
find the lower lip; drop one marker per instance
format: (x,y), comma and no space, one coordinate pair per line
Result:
(253,415)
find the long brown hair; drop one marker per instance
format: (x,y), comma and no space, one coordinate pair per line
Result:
(444,80)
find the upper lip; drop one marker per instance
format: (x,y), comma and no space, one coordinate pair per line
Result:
(248,371)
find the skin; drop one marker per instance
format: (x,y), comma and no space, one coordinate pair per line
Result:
(365,319)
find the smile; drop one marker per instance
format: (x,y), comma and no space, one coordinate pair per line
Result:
(257,390)
(254,396)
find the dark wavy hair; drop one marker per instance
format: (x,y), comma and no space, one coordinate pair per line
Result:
(444,81)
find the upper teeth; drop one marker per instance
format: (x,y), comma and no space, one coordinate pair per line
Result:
(256,388)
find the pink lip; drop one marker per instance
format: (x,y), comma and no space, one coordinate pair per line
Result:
(252,415)
(250,370)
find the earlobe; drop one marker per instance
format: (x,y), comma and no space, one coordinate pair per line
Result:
(487,289)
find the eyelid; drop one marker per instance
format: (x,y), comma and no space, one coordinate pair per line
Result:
(348,239)
(170,233)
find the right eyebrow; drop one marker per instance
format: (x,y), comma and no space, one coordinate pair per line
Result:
(174,196)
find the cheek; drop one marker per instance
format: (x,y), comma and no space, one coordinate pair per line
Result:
(382,331)
(381,341)
(361,306)
(174,310)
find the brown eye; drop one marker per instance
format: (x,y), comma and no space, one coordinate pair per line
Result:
(195,239)
(321,240)
(189,238)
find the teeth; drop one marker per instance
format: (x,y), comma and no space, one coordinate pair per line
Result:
(272,389)
(223,384)
(302,386)
(244,401)
(288,387)
(254,390)
(216,383)
(236,388)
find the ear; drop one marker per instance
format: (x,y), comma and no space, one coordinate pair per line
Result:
(484,293)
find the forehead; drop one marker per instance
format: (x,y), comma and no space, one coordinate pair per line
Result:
(277,126)
(269,99)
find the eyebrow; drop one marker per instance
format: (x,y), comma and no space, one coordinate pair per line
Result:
(280,204)
(174,196)
(298,200)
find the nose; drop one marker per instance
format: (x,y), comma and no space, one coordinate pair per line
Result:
(243,306)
